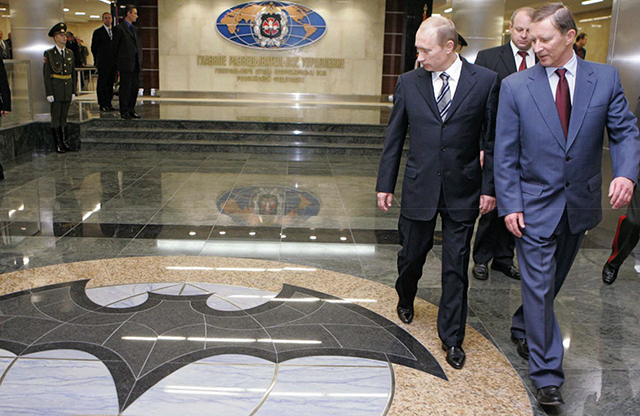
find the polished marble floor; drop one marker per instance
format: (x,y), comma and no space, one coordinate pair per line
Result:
(312,211)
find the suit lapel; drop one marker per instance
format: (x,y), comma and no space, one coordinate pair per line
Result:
(541,93)
(425,87)
(508,59)
(465,85)
(585,85)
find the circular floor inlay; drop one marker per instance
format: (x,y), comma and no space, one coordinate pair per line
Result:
(162,335)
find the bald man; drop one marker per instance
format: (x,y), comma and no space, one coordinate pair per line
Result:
(450,106)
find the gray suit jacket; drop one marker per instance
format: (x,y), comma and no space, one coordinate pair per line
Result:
(540,174)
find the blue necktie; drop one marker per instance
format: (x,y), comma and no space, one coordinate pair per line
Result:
(444,98)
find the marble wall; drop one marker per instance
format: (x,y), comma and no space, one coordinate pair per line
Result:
(355,33)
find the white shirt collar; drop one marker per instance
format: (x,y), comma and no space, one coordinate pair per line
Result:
(571,66)
(453,71)
(515,49)
(107,28)
(60,51)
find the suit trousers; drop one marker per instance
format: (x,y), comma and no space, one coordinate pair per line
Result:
(59,113)
(106,79)
(129,84)
(493,241)
(544,265)
(627,233)
(416,238)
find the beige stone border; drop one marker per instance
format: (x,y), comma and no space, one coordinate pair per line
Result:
(488,384)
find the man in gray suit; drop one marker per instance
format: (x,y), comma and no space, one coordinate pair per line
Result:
(549,141)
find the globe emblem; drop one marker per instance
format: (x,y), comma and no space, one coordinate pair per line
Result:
(271,25)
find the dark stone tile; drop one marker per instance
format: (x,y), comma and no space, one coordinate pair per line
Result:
(175,232)
(246,233)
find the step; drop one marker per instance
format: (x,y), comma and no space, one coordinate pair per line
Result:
(235,125)
(231,146)
(233,135)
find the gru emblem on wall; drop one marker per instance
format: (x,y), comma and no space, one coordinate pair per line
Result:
(271,25)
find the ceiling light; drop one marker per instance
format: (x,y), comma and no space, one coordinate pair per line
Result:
(3,9)
(252,233)
(106,1)
(283,236)
(588,2)
(192,233)
(95,16)
(223,232)
(313,237)
(80,13)
(436,14)
(449,10)
(343,238)
(594,19)
(66,9)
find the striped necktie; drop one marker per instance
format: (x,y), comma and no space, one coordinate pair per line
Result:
(444,98)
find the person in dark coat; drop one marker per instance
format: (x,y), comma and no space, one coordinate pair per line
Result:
(627,234)
(60,85)
(127,51)
(450,106)
(103,58)
(5,99)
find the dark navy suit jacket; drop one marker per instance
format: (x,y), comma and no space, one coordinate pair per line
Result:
(537,172)
(444,157)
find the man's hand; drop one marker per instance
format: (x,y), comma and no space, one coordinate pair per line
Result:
(3,113)
(50,98)
(515,222)
(384,201)
(620,192)
(487,204)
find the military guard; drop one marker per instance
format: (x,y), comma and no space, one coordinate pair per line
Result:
(60,85)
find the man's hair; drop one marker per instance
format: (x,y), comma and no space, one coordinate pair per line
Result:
(526,10)
(129,8)
(106,13)
(445,29)
(581,36)
(560,15)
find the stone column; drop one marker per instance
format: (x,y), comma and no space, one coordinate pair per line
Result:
(31,21)
(623,46)
(480,22)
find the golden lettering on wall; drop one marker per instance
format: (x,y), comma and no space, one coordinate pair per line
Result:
(262,68)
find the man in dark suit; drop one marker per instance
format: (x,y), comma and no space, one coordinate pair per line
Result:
(5,99)
(127,51)
(493,240)
(101,50)
(548,175)
(578,47)
(450,106)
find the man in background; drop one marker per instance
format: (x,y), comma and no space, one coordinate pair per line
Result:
(493,240)
(127,51)
(578,47)
(104,61)
(5,47)
(5,99)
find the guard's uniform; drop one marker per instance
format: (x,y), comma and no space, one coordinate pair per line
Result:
(59,82)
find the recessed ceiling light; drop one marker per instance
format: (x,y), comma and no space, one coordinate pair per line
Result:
(65,9)
(588,2)
(449,10)
(95,16)
(3,9)
(80,13)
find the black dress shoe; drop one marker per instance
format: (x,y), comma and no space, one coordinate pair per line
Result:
(480,271)
(455,356)
(509,271)
(522,347)
(125,116)
(110,108)
(609,274)
(134,115)
(104,109)
(549,396)
(405,314)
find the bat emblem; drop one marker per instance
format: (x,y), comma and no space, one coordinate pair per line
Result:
(142,345)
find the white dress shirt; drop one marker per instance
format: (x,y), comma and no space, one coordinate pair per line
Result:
(531,58)
(454,77)
(109,32)
(571,67)
(60,51)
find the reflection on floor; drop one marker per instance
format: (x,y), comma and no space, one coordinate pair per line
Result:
(317,211)
(230,343)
